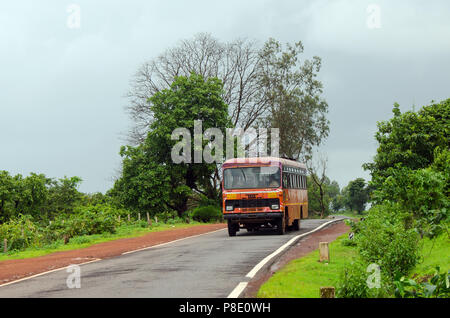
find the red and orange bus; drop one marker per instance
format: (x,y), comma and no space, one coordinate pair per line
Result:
(264,192)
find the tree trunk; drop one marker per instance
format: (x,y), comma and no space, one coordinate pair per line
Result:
(322,205)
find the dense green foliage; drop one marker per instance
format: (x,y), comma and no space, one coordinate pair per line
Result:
(23,231)
(410,182)
(383,239)
(36,195)
(352,282)
(207,214)
(410,140)
(150,180)
(356,195)
(438,287)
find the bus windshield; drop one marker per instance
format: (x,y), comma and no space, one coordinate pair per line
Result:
(252,177)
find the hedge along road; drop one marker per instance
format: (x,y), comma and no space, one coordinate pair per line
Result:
(210,265)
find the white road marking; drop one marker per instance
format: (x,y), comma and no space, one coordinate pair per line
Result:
(48,272)
(99,259)
(238,290)
(242,285)
(255,269)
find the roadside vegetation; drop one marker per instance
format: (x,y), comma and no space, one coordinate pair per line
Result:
(40,215)
(406,231)
(303,277)
(132,229)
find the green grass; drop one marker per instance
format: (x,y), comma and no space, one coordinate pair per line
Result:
(124,231)
(434,253)
(303,277)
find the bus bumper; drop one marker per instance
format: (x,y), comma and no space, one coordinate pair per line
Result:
(253,216)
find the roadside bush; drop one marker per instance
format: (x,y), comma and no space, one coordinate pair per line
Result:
(421,193)
(348,242)
(166,216)
(437,287)
(353,283)
(207,214)
(20,232)
(142,223)
(382,239)
(175,220)
(86,220)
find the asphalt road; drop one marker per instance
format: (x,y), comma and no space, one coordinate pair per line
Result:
(210,265)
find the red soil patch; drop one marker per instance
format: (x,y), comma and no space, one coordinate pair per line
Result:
(11,270)
(301,248)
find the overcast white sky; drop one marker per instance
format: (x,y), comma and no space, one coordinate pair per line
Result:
(62,89)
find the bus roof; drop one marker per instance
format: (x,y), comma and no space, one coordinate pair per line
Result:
(263,160)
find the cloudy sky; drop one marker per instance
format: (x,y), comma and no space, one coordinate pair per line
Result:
(62,89)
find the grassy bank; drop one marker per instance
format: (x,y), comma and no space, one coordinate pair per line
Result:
(303,277)
(433,253)
(124,231)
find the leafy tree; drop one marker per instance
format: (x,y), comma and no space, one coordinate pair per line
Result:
(144,185)
(294,94)
(6,194)
(63,196)
(150,178)
(337,203)
(356,195)
(409,139)
(37,196)
(333,190)
(31,194)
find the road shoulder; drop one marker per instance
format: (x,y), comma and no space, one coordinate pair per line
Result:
(12,270)
(303,247)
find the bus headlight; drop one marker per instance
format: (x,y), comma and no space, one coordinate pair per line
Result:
(275,207)
(229,208)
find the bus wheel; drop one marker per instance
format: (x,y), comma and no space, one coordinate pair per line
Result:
(232,228)
(296,225)
(281,226)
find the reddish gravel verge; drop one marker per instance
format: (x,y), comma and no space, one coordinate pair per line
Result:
(11,270)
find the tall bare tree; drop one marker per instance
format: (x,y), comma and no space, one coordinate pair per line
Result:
(236,63)
(317,170)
